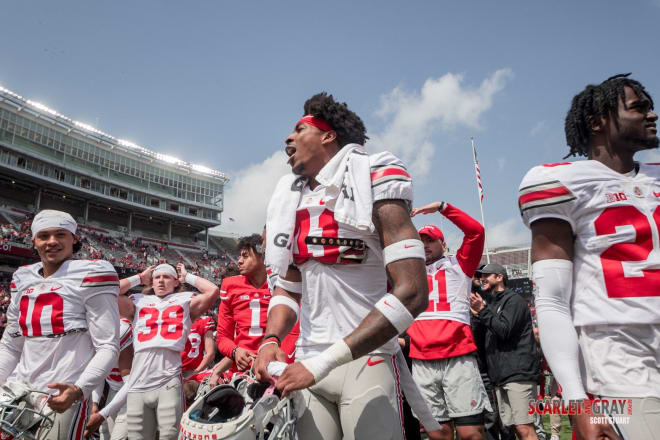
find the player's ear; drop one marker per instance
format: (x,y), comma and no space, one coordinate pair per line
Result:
(596,124)
(329,137)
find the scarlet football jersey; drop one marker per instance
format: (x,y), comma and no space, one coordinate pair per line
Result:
(342,266)
(615,219)
(193,353)
(242,315)
(51,315)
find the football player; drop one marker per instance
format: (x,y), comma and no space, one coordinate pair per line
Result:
(442,347)
(596,257)
(196,357)
(340,219)
(243,310)
(161,323)
(62,333)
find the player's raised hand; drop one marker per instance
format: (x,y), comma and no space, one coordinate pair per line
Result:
(94,422)
(181,270)
(145,275)
(428,209)
(67,396)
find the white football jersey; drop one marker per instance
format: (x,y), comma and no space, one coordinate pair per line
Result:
(161,322)
(114,379)
(342,269)
(449,292)
(160,332)
(51,315)
(615,220)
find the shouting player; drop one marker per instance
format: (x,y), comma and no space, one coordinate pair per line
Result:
(333,226)
(161,323)
(442,347)
(596,257)
(62,333)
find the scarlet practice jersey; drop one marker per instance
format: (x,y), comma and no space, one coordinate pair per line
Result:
(114,379)
(242,315)
(443,329)
(51,314)
(193,353)
(160,332)
(342,269)
(615,219)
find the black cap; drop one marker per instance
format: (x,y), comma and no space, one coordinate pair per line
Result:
(495,268)
(478,271)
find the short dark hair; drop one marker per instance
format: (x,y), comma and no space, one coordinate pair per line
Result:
(349,127)
(250,242)
(596,101)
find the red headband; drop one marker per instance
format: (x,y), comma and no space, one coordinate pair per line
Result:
(316,122)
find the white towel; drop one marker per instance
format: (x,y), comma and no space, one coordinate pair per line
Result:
(347,180)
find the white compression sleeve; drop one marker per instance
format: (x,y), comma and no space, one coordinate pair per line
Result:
(11,347)
(118,401)
(554,284)
(103,322)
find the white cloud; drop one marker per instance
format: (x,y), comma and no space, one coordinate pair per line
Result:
(442,104)
(247,196)
(510,232)
(538,127)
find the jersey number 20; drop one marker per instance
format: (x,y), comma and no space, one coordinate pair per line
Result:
(616,283)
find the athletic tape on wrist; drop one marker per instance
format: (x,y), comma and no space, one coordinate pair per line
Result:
(410,248)
(191,279)
(395,312)
(320,365)
(289,286)
(284,301)
(134,280)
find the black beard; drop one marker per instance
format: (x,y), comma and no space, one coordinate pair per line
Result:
(650,144)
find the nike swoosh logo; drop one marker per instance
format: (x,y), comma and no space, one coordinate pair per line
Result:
(290,356)
(385,302)
(406,246)
(53,289)
(376,362)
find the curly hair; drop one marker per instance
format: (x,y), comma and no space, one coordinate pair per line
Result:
(250,242)
(349,127)
(596,101)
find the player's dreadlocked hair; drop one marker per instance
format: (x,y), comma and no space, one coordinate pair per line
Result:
(348,125)
(596,101)
(251,242)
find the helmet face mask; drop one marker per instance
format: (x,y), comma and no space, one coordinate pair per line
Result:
(239,411)
(24,413)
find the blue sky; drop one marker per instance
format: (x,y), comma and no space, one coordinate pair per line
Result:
(222,83)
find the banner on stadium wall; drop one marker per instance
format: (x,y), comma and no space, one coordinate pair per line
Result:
(16,249)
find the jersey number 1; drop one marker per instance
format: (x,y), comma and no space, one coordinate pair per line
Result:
(617,284)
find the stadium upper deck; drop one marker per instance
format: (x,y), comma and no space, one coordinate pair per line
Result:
(45,155)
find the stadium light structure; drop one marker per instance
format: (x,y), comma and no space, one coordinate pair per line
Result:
(21,102)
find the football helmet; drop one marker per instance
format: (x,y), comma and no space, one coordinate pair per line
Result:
(24,413)
(244,409)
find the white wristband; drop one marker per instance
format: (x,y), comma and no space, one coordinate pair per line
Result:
(410,248)
(284,301)
(191,279)
(395,312)
(320,365)
(134,280)
(289,286)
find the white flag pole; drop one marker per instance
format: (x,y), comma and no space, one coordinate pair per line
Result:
(480,191)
